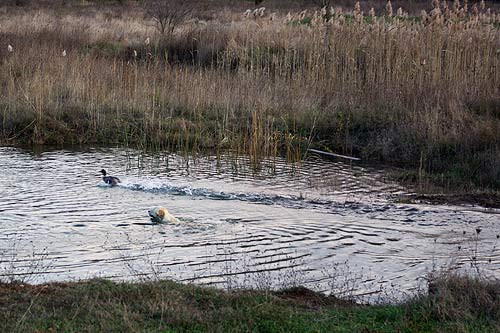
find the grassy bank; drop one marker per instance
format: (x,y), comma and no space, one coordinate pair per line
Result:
(454,305)
(420,92)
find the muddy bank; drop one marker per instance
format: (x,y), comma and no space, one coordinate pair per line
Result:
(485,200)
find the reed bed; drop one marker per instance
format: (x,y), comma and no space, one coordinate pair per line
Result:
(417,91)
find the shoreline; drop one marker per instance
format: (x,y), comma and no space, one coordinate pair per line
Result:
(161,306)
(487,200)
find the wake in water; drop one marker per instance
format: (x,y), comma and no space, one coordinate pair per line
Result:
(287,201)
(363,207)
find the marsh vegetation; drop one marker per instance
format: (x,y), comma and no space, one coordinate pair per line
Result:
(419,90)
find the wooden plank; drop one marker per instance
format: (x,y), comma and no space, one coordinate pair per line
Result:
(334,155)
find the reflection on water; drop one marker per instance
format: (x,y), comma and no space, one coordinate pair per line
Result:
(283,224)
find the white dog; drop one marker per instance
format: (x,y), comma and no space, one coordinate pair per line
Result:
(161,215)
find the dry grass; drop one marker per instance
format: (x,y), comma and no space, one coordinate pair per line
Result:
(416,91)
(458,297)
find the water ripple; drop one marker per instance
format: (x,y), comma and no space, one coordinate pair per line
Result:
(240,226)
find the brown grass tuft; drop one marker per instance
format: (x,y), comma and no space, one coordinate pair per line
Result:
(460,297)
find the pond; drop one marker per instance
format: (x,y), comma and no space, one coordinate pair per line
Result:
(324,224)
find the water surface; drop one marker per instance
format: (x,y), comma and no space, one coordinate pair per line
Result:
(322,223)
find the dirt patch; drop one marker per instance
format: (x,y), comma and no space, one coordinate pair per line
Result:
(302,295)
(486,200)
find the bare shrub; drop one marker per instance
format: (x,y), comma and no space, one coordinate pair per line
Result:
(20,263)
(167,15)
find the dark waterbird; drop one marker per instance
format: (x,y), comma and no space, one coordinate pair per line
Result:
(109,179)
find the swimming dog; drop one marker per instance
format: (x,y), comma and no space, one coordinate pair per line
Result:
(161,215)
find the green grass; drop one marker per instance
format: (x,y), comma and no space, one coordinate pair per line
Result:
(166,306)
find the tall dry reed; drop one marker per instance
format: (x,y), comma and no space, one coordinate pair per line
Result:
(416,91)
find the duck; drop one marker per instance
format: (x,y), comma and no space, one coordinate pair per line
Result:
(161,215)
(113,181)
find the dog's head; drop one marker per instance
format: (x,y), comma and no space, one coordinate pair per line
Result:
(161,212)
(158,213)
